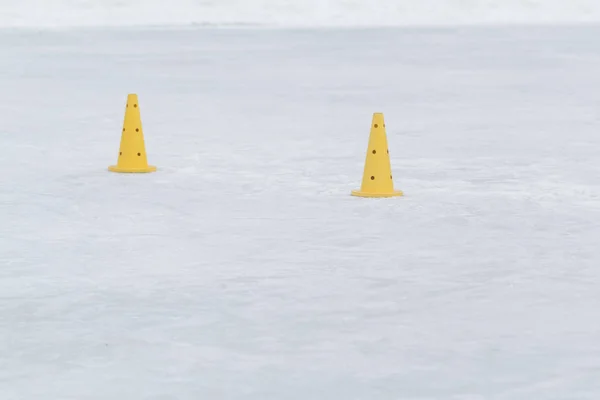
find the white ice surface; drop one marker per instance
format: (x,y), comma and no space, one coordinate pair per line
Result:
(314,13)
(243,269)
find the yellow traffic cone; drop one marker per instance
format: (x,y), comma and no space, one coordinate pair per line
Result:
(132,151)
(377,177)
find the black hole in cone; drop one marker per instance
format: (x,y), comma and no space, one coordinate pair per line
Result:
(372,178)
(376,126)
(139,154)
(374,151)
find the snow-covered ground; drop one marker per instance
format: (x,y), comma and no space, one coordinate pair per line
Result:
(286,13)
(243,268)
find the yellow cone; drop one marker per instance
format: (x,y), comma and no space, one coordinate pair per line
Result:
(132,151)
(377,177)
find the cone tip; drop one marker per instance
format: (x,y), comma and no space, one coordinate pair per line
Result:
(378,118)
(132,100)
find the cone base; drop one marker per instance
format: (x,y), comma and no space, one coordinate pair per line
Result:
(395,193)
(116,168)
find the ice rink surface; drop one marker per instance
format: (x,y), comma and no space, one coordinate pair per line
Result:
(243,268)
(60,14)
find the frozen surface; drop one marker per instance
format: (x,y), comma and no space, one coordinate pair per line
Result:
(314,13)
(243,269)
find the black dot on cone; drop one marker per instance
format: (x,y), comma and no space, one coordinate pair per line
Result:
(137,129)
(376,126)
(135,105)
(372,178)
(139,154)
(120,153)
(374,151)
